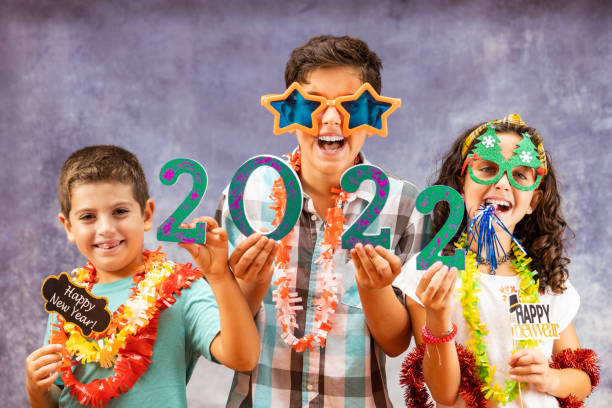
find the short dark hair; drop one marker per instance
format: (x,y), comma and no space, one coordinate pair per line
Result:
(101,163)
(325,51)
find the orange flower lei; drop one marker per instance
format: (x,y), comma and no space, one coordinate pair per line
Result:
(285,300)
(132,331)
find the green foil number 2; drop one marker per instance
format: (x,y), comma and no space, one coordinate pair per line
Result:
(350,182)
(425,204)
(169,230)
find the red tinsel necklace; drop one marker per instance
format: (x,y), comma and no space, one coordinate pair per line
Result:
(161,279)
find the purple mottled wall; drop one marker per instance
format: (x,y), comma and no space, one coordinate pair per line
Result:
(183,78)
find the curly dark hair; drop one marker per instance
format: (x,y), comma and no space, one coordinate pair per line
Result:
(324,51)
(541,232)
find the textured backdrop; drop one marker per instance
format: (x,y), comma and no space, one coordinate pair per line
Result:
(183,78)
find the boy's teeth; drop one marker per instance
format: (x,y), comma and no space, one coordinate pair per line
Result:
(330,143)
(331,138)
(108,245)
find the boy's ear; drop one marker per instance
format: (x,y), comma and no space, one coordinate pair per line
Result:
(66,223)
(535,200)
(149,209)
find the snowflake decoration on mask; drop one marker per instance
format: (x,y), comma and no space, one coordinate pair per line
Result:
(488,141)
(525,157)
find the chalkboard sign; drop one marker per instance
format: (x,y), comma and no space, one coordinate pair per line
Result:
(75,304)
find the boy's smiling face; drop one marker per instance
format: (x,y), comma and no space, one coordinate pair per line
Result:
(331,153)
(108,226)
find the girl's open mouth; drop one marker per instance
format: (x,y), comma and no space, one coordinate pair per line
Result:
(498,205)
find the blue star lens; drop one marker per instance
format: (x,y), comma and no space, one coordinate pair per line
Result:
(365,110)
(295,109)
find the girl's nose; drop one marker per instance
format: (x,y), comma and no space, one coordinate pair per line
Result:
(503,183)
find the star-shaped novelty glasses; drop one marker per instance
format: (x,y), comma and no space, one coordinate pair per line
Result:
(297,109)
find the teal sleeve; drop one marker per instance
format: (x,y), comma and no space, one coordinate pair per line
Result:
(201,316)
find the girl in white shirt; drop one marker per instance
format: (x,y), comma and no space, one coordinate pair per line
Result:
(508,312)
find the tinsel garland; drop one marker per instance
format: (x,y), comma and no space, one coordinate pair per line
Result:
(416,395)
(581,359)
(160,281)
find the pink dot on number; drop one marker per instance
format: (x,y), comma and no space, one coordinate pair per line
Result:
(194,195)
(438,242)
(168,174)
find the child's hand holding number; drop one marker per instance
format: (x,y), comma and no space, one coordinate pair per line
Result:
(252,264)
(252,260)
(211,257)
(435,290)
(375,268)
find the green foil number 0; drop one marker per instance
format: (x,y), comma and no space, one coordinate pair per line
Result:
(425,204)
(293,188)
(169,230)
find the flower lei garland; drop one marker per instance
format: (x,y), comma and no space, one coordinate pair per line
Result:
(131,334)
(285,300)
(468,296)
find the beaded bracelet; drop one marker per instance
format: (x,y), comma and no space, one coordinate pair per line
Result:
(429,338)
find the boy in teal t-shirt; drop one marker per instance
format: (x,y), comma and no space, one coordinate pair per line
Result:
(105,209)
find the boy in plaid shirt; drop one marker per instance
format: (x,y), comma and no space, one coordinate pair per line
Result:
(370,320)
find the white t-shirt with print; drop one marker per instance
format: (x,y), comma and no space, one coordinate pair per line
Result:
(493,307)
